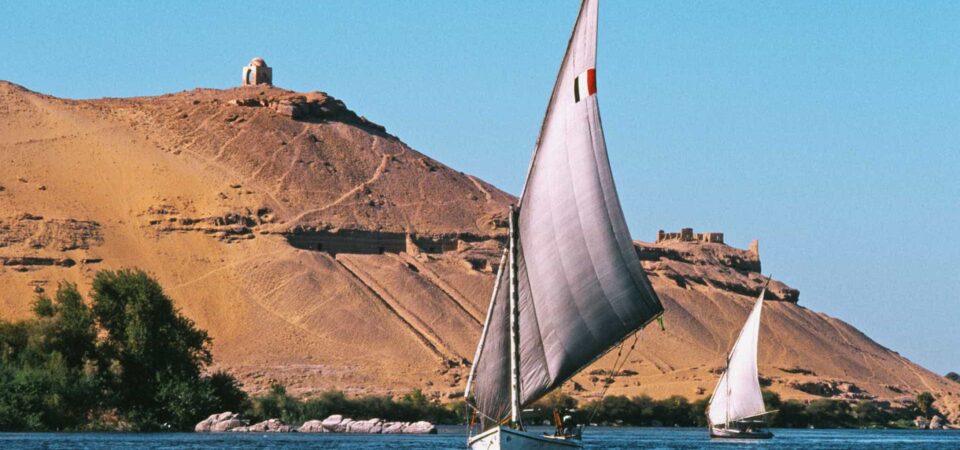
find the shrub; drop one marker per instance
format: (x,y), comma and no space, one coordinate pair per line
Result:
(925,404)
(130,360)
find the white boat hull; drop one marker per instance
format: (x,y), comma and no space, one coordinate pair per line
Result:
(508,439)
(733,433)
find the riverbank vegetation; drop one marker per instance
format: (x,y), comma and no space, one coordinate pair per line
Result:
(411,407)
(678,411)
(126,359)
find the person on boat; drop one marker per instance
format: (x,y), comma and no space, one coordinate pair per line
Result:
(570,428)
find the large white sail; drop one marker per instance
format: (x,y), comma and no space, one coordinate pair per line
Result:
(737,395)
(581,287)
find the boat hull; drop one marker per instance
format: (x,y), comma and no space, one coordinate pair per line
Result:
(502,438)
(724,433)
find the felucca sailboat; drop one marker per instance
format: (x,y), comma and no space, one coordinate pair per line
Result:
(736,408)
(570,286)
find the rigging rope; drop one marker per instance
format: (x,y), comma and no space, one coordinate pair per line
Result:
(477,411)
(617,366)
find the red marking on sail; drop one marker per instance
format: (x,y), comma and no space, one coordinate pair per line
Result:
(585,85)
(591,81)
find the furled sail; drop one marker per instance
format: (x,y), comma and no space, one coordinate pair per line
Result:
(737,395)
(581,288)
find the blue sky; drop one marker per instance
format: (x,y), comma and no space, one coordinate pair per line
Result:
(827,130)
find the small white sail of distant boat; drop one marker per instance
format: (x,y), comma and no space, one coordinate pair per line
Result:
(737,396)
(571,286)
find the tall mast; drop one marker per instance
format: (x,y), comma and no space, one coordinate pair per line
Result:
(726,414)
(514,322)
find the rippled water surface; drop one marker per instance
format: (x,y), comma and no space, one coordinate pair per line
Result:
(455,437)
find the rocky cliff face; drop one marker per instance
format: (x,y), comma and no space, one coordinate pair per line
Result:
(711,265)
(708,290)
(322,252)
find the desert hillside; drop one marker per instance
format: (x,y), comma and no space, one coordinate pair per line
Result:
(322,252)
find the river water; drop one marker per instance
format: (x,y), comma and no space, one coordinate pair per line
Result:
(455,438)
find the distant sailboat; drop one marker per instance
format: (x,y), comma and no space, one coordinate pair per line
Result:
(570,285)
(736,408)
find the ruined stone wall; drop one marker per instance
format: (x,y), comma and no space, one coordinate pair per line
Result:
(370,242)
(687,235)
(350,241)
(435,244)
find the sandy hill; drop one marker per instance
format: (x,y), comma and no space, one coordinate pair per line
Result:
(321,251)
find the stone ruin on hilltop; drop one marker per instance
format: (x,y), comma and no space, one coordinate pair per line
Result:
(257,72)
(687,235)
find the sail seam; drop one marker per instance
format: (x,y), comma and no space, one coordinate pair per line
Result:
(533,306)
(553,95)
(725,379)
(486,325)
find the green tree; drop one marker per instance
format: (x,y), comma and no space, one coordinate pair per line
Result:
(543,409)
(674,411)
(155,354)
(825,413)
(130,358)
(699,408)
(792,414)
(869,414)
(925,403)
(415,398)
(276,404)
(556,400)
(771,400)
(67,326)
(616,409)
(48,379)
(645,411)
(227,393)
(953,376)
(325,404)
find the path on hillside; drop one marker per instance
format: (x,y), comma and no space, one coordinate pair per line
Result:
(422,331)
(455,297)
(479,186)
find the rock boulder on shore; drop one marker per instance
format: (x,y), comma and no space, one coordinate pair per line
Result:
(392,428)
(374,426)
(332,423)
(267,426)
(937,423)
(336,423)
(339,424)
(224,421)
(421,427)
(312,426)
